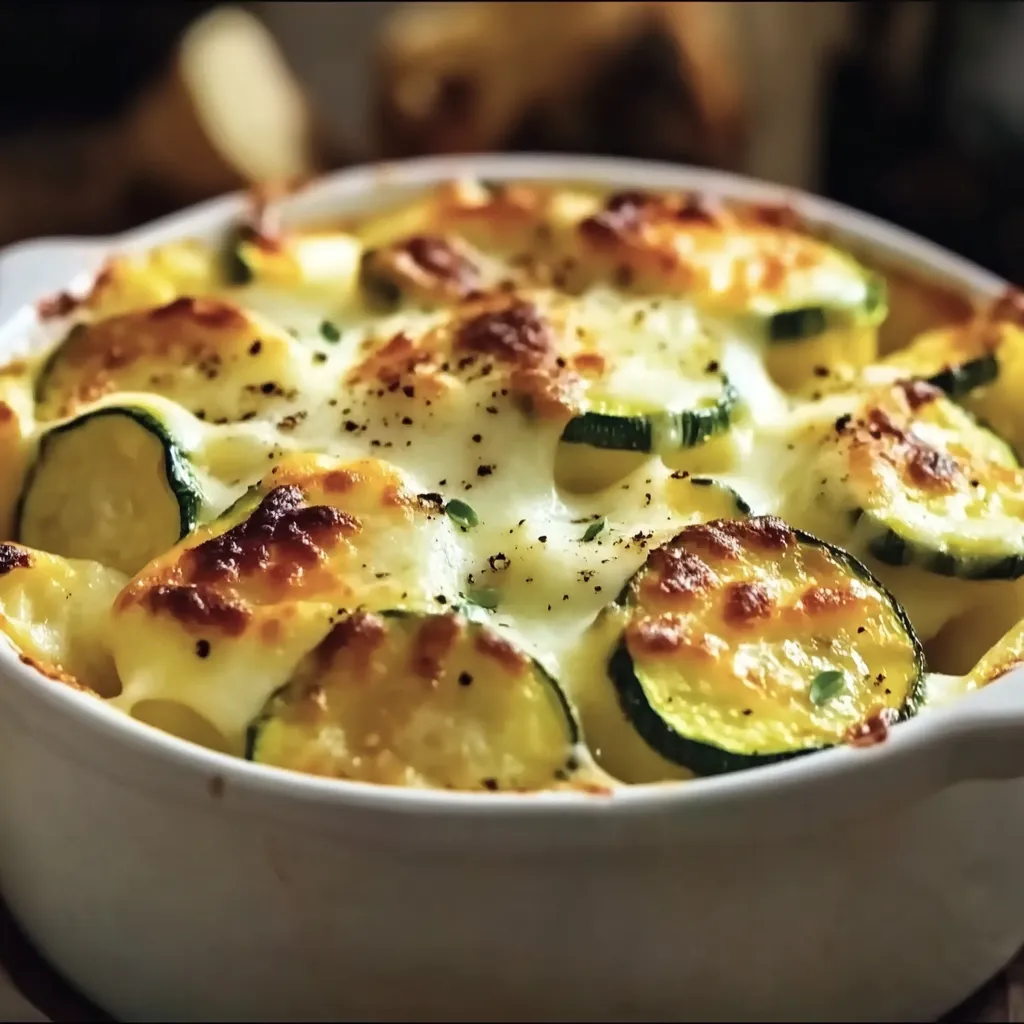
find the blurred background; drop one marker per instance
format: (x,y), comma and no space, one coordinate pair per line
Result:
(112,113)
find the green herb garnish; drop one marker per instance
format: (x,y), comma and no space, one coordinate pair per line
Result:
(826,685)
(484,597)
(595,528)
(329,331)
(461,514)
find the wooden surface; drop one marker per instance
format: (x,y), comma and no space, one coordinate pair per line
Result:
(32,991)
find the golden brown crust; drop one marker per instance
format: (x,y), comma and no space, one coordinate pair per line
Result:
(677,575)
(746,603)
(199,607)
(435,637)
(281,533)
(189,341)
(358,635)
(516,333)
(882,438)
(432,267)
(825,600)
(56,673)
(493,645)
(13,557)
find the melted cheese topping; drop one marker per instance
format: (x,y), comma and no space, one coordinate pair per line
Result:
(337,390)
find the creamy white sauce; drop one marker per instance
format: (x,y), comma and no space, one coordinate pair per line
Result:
(475,444)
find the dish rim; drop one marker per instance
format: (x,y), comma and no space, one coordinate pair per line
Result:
(965,717)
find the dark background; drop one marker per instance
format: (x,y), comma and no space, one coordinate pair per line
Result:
(910,110)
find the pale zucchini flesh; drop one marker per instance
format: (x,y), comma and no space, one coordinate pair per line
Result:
(111,486)
(925,484)
(746,642)
(435,701)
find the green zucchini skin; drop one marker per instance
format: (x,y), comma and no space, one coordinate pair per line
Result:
(42,381)
(890,548)
(234,268)
(706,759)
(793,325)
(177,469)
(701,758)
(742,506)
(958,381)
(644,433)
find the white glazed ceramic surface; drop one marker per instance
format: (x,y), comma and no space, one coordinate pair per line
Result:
(172,883)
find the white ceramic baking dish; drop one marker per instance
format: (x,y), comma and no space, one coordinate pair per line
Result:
(172,883)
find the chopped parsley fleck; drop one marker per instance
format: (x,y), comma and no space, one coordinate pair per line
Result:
(329,331)
(484,597)
(461,514)
(594,529)
(826,685)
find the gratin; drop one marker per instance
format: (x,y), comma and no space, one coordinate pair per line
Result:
(514,488)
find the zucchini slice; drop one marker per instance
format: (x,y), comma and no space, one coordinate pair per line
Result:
(812,303)
(957,360)
(1004,656)
(221,362)
(323,261)
(734,259)
(747,642)
(712,498)
(863,305)
(111,486)
(924,484)
(652,379)
(838,336)
(436,701)
(429,269)
(624,428)
(56,612)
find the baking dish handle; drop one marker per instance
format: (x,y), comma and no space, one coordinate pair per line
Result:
(31,270)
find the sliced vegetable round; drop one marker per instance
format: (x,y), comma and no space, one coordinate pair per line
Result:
(624,429)
(438,701)
(215,358)
(111,486)
(427,269)
(652,379)
(956,359)
(836,331)
(746,642)
(863,304)
(925,484)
